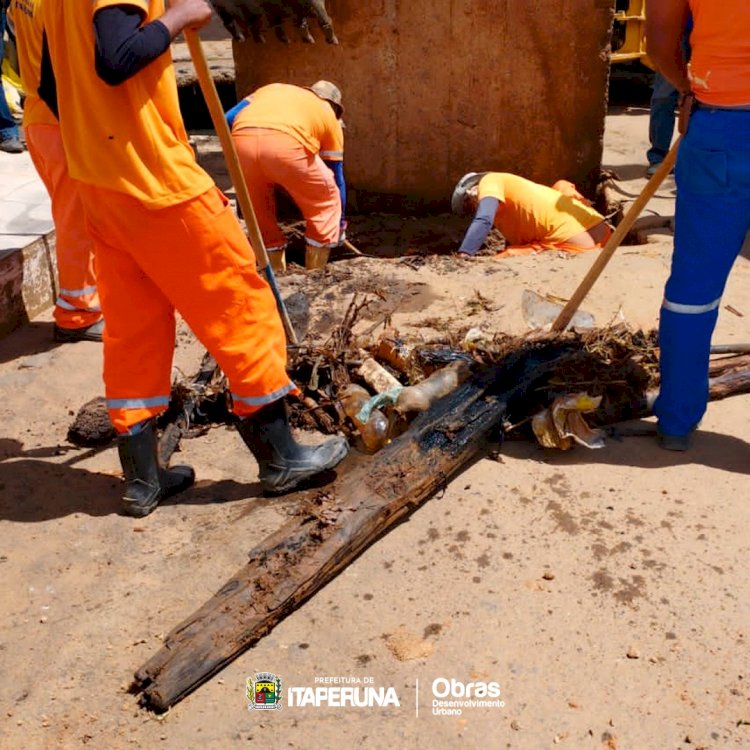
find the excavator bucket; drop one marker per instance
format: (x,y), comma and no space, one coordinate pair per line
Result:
(252,19)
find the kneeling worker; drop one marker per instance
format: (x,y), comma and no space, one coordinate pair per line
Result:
(292,136)
(531,217)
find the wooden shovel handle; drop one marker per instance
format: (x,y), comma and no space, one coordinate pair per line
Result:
(211,96)
(567,313)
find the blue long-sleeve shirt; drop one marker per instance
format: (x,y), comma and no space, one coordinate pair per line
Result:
(123,46)
(480,227)
(337,167)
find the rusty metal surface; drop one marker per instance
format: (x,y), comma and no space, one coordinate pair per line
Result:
(434,89)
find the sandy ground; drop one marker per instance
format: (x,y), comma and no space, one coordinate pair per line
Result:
(605,592)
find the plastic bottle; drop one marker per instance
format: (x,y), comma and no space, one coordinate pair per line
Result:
(421,396)
(374,432)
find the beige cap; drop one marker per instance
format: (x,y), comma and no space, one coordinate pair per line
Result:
(330,93)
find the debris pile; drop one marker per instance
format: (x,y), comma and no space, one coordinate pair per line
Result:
(370,387)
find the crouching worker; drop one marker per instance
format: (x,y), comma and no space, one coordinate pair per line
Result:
(165,239)
(292,136)
(529,216)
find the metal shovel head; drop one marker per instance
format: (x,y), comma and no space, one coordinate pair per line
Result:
(540,312)
(298,308)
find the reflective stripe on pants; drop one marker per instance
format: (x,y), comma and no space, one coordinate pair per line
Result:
(195,258)
(78,303)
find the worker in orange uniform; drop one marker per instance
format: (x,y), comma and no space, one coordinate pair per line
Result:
(77,312)
(530,217)
(166,238)
(292,136)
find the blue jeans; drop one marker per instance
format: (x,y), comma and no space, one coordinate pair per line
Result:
(661,119)
(8,127)
(711,220)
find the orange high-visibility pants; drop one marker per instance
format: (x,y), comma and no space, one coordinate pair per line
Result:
(583,243)
(193,257)
(269,158)
(77,305)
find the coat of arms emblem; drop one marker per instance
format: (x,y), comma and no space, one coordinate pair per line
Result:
(264,692)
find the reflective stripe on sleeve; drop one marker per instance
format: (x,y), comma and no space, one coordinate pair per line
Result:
(331,154)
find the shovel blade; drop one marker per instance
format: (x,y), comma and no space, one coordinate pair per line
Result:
(298,308)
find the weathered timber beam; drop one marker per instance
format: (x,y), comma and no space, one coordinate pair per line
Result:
(338,522)
(731,378)
(335,525)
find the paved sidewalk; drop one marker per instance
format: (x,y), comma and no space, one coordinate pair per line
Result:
(25,213)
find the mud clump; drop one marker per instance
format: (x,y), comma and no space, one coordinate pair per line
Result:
(92,427)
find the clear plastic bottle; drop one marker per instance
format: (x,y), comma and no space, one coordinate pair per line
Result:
(421,396)
(374,432)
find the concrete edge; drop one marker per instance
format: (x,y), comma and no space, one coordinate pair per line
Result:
(28,282)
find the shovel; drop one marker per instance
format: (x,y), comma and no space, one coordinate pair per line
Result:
(564,318)
(213,103)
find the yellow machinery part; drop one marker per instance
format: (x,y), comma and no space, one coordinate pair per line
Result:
(634,45)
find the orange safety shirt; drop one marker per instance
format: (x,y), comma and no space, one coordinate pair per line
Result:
(719,67)
(530,212)
(26,18)
(299,112)
(128,138)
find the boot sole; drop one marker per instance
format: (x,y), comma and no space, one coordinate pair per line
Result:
(677,443)
(135,509)
(65,336)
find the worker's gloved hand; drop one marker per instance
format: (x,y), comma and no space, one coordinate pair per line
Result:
(483,252)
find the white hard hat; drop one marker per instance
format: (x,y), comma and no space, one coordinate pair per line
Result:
(468,181)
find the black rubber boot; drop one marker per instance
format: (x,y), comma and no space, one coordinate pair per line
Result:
(283,462)
(147,482)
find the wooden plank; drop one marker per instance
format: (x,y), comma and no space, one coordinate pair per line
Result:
(334,526)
